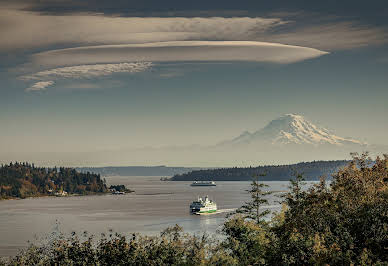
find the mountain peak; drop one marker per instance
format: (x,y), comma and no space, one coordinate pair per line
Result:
(288,118)
(293,116)
(292,129)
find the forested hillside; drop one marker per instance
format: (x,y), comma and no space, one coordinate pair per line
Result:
(138,170)
(311,171)
(24,180)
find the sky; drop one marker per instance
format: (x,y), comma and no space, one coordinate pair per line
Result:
(79,77)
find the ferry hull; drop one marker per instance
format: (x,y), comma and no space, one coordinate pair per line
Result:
(210,211)
(205,212)
(203,185)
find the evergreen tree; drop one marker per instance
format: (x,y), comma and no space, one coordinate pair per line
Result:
(252,209)
(23,179)
(296,193)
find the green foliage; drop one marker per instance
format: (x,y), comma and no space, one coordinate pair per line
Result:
(171,248)
(311,170)
(344,223)
(252,209)
(248,242)
(120,188)
(25,180)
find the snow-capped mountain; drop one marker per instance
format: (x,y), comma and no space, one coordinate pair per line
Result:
(292,129)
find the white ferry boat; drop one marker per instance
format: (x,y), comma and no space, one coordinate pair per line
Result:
(203,183)
(203,206)
(118,192)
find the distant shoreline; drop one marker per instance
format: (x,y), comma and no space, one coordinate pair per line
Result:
(67,196)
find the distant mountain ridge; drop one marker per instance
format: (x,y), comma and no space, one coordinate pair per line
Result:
(291,129)
(138,170)
(310,170)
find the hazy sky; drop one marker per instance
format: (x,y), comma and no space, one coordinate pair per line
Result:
(107,75)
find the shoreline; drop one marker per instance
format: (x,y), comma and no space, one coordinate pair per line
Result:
(70,195)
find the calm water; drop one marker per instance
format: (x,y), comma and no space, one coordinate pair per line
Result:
(154,206)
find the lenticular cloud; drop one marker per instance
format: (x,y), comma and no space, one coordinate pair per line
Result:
(81,71)
(41,85)
(88,71)
(179,51)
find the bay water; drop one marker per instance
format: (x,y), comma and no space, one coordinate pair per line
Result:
(154,206)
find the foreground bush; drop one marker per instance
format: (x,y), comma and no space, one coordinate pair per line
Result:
(344,223)
(173,247)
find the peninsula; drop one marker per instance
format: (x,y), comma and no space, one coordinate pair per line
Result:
(22,180)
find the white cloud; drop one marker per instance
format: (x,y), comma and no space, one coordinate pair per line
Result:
(41,85)
(81,72)
(88,71)
(92,61)
(331,36)
(178,51)
(25,30)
